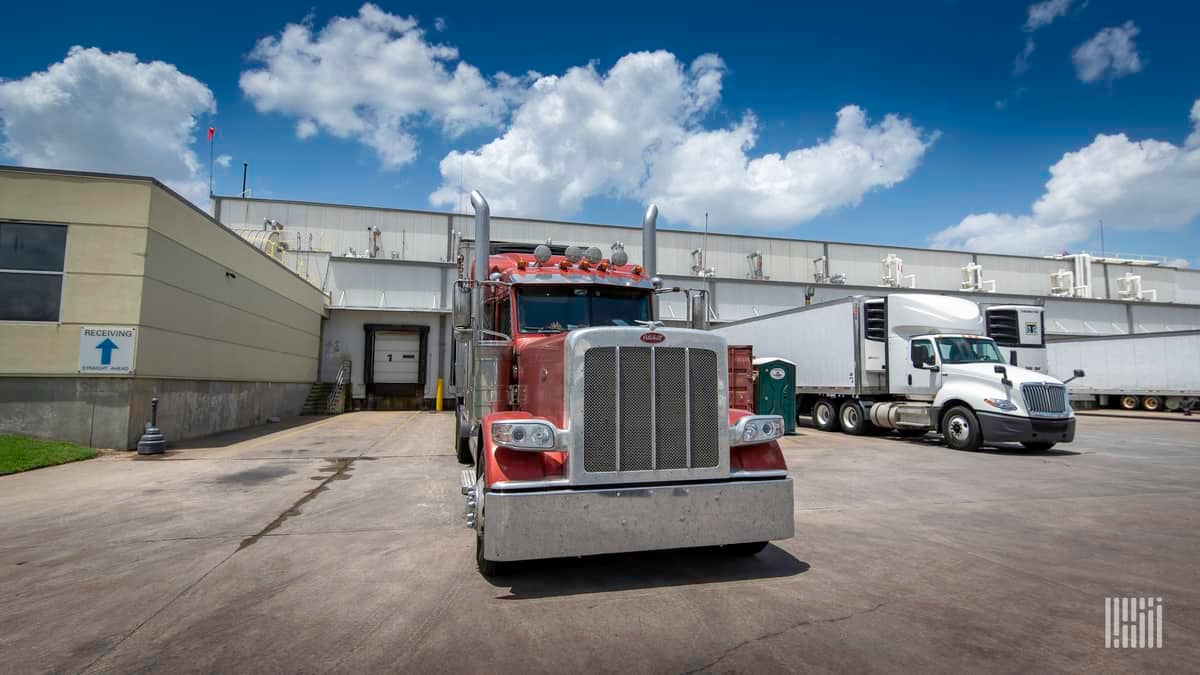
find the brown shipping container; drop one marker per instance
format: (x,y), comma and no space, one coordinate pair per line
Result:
(741,377)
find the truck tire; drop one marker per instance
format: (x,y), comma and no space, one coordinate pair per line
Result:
(824,415)
(462,446)
(853,419)
(1128,402)
(1038,446)
(744,550)
(1151,403)
(960,428)
(487,568)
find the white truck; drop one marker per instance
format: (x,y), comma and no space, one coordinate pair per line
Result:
(910,362)
(1150,371)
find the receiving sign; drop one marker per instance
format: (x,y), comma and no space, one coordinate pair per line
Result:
(107,350)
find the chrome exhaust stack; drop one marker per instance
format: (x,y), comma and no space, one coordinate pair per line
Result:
(649,243)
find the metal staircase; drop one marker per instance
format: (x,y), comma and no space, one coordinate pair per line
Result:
(328,398)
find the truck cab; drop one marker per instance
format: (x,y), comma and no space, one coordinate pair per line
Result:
(592,429)
(938,353)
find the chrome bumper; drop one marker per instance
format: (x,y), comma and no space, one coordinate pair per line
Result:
(560,523)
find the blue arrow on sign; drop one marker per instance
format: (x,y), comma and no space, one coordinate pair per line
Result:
(106,349)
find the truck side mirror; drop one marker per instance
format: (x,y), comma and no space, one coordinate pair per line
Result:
(1003,373)
(1078,374)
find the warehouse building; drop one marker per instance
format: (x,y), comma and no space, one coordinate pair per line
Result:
(392,270)
(115,290)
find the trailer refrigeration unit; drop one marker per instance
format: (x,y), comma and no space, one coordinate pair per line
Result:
(910,362)
(1150,371)
(592,428)
(1019,331)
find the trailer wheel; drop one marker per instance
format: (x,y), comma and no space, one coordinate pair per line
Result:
(960,428)
(1129,402)
(1151,403)
(824,415)
(462,445)
(853,419)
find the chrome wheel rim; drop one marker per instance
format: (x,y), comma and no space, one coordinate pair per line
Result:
(849,417)
(824,413)
(958,428)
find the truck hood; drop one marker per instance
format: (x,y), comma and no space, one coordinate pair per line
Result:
(986,372)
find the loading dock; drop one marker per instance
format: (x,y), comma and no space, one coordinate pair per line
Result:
(395,365)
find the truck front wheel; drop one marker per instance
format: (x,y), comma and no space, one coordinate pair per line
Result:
(824,415)
(853,419)
(462,447)
(960,428)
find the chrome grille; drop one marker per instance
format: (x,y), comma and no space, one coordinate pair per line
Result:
(670,407)
(650,408)
(1045,399)
(600,425)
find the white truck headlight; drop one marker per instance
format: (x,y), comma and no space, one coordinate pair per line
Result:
(524,435)
(756,429)
(1002,404)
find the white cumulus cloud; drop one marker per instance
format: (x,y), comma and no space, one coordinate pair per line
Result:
(635,132)
(1042,14)
(1130,184)
(374,78)
(1109,55)
(223,161)
(109,112)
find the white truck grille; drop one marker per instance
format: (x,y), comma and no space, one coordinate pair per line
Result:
(1045,399)
(650,408)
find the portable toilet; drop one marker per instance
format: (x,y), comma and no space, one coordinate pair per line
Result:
(775,390)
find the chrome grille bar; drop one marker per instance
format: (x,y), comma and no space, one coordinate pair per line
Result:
(1045,399)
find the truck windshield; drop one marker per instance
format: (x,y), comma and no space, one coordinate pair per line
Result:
(555,309)
(968,350)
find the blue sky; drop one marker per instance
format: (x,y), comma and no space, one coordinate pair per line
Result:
(943,67)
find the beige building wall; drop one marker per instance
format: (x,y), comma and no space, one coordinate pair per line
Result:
(214,307)
(106,244)
(227,336)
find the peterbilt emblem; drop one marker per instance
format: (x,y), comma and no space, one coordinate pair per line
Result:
(653,338)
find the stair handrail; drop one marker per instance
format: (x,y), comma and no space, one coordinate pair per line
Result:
(343,376)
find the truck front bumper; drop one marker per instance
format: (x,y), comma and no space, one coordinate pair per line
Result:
(1012,429)
(573,522)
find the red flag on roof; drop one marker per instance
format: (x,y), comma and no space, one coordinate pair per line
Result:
(212,131)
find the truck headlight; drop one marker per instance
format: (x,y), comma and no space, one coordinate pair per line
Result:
(756,429)
(523,435)
(1001,403)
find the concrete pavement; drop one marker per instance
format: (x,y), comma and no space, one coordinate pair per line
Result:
(337,546)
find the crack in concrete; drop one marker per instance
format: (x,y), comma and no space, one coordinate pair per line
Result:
(339,466)
(766,636)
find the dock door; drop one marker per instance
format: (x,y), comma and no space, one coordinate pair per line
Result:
(395,369)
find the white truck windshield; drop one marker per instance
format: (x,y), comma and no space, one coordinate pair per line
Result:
(968,350)
(555,309)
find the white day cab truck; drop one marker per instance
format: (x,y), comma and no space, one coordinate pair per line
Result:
(914,363)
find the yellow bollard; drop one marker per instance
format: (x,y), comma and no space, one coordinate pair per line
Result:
(439,395)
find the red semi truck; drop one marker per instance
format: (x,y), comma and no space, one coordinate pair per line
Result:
(592,429)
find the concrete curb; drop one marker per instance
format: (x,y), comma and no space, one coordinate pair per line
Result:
(1169,416)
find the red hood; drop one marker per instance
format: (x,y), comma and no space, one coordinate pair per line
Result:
(540,376)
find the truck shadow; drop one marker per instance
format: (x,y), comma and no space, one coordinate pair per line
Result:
(935,440)
(634,571)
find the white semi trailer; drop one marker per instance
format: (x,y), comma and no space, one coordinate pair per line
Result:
(1150,371)
(910,362)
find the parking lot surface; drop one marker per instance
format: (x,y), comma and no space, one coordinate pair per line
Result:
(337,545)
